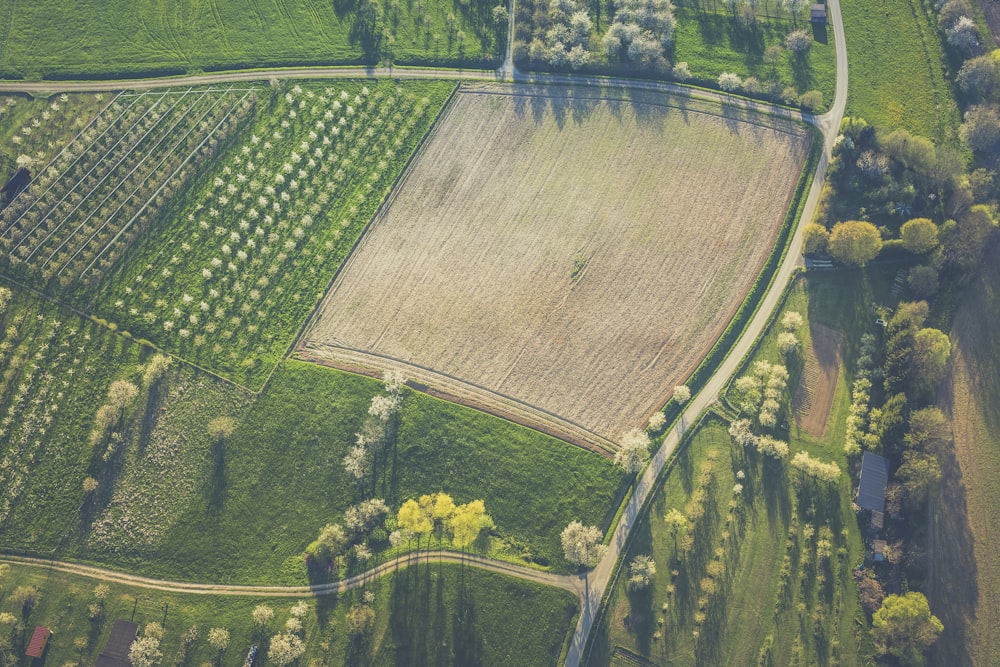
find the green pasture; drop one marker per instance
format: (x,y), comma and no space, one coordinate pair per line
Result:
(55,39)
(896,76)
(428,614)
(173,503)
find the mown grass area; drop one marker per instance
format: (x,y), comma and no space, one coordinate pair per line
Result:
(750,581)
(240,260)
(713,42)
(426,614)
(896,76)
(55,39)
(174,503)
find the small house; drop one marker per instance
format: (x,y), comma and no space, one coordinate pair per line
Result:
(115,653)
(817,14)
(39,639)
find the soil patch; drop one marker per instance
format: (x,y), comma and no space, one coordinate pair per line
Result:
(814,395)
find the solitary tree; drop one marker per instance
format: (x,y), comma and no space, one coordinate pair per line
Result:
(855,242)
(798,41)
(582,544)
(920,235)
(285,649)
(218,638)
(640,572)
(676,521)
(904,627)
(633,452)
(221,427)
(682,394)
(262,615)
(145,652)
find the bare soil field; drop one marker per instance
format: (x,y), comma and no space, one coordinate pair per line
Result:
(818,383)
(562,254)
(964,582)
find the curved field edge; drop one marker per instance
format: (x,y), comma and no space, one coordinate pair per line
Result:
(570,106)
(172,505)
(422,610)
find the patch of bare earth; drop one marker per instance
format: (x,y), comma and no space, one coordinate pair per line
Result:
(818,382)
(566,258)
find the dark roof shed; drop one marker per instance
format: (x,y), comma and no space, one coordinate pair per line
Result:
(871,489)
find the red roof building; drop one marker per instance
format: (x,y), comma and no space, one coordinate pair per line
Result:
(36,647)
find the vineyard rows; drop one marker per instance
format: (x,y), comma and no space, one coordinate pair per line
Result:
(83,210)
(231,278)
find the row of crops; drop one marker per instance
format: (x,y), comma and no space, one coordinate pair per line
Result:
(94,199)
(232,277)
(53,364)
(232,207)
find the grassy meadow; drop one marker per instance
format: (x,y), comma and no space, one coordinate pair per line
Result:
(172,503)
(55,39)
(896,77)
(424,614)
(750,583)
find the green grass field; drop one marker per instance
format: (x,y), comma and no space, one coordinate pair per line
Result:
(171,505)
(751,608)
(896,77)
(427,614)
(120,37)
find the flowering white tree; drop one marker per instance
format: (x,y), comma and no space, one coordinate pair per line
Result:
(218,638)
(640,572)
(682,394)
(145,652)
(285,649)
(633,452)
(582,544)
(730,82)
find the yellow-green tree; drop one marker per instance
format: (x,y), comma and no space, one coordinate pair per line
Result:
(919,235)
(467,522)
(855,242)
(414,519)
(904,627)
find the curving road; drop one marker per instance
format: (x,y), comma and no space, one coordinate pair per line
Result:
(571,583)
(592,586)
(600,577)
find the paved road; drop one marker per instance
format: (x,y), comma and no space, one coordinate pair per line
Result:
(574,584)
(600,577)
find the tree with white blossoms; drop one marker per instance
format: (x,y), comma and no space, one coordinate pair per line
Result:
(218,638)
(365,515)
(676,522)
(730,82)
(656,421)
(818,470)
(145,652)
(641,31)
(640,572)
(285,649)
(682,394)
(741,434)
(791,321)
(798,42)
(633,452)
(768,446)
(262,615)
(582,544)
(788,343)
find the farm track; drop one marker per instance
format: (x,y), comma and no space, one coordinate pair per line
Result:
(574,584)
(591,587)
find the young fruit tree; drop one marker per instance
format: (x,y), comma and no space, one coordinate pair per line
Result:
(582,544)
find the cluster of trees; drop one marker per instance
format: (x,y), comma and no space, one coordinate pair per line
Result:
(377,432)
(438,514)
(564,37)
(761,393)
(641,32)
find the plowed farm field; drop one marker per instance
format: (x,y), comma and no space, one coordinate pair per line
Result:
(564,258)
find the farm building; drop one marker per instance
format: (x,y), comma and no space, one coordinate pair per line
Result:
(817,14)
(39,638)
(871,488)
(115,653)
